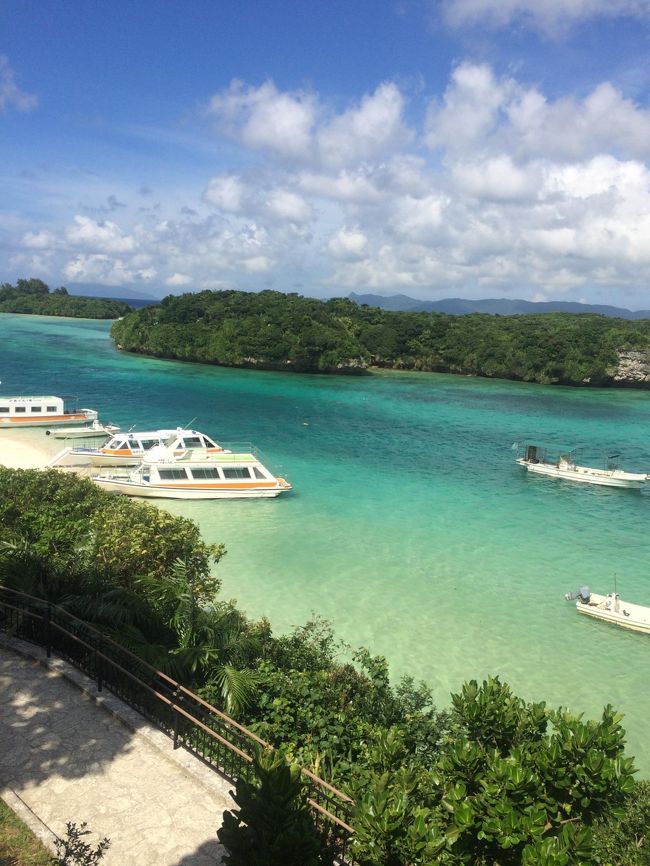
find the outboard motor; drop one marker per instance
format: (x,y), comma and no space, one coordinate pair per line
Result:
(583,594)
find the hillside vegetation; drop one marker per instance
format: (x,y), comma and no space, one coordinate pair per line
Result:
(34,297)
(271,330)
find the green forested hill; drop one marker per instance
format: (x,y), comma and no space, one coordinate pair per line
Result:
(277,331)
(34,296)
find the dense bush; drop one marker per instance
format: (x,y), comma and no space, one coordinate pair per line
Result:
(34,297)
(278,331)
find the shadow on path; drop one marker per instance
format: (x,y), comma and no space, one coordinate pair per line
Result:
(68,759)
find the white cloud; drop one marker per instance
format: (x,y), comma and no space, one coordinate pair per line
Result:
(483,114)
(265,118)
(348,244)
(103,237)
(503,190)
(497,178)
(344,186)
(549,16)
(366,131)
(418,220)
(257,264)
(178,280)
(104,269)
(10,93)
(287,205)
(225,192)
(39,240)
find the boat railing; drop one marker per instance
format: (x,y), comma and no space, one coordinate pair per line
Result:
(188,720)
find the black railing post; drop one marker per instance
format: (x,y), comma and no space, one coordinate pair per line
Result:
(176,698)
(99,645)
(48,630)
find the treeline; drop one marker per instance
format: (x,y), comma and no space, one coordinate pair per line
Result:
(34,297)
(493,779)
(277,331)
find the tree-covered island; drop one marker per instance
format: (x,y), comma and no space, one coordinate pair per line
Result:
(33,297)
(272,330)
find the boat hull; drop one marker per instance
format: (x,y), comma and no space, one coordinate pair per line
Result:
(637,618)
(80,432)
(48,421)
(130,488)
(583,475)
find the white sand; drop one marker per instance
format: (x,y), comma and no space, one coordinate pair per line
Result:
(27,449)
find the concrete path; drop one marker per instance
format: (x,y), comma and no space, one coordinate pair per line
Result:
(65,757)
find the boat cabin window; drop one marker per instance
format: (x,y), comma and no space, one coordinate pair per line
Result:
(36,409)
(146,444)
(4,409)
(236,473)
(206,473)
(259,474)
(192,442)
(21,409)
(172,474)
(51,408)
(115,444)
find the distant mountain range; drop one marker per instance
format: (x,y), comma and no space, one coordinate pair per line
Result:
(122,293)
(500,306)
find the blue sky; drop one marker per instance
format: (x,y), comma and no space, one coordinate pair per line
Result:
(437,148)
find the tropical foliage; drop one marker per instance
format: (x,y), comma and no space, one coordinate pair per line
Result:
(272,825)
(33,296)
(277,331)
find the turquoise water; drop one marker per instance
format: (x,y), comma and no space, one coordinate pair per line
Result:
(410,527)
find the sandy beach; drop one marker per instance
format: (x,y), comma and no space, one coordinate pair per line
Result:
(27,449)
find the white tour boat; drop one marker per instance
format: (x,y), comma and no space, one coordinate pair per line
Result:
(128,449)
(611,609)
(535,459)
(19,412)
(94,431)
(197,473)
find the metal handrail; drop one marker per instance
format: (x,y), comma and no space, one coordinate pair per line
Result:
(186,717)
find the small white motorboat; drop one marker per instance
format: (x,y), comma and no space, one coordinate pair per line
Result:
(610,608)
(94,431)
(535,459)
(20,412)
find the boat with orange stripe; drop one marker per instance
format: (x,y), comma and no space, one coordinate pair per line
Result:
(196,473)
(128,449)
(21,412)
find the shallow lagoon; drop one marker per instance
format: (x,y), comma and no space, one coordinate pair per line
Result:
(410,527)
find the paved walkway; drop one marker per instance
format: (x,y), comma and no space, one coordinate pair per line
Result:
(68,758)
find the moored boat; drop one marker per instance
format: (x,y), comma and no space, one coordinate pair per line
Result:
(611,608)
(128,449)
(94,431)
(535,459)
(20,412)
(197,473)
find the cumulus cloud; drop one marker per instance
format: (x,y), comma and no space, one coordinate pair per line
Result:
(225,192)
(480,113)
(494,188)
(10,93)
(104,237)
(366,131)
(549,16)
(105,269)
(265,118)
(287,205)
(176,280)
(347,244)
